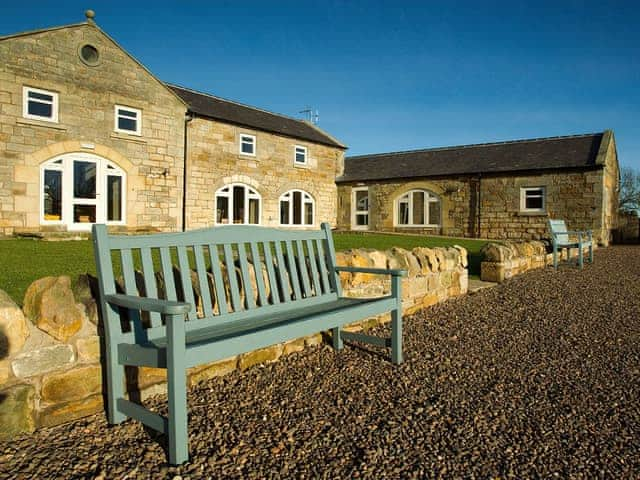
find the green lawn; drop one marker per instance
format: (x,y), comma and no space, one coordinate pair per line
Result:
(24,260)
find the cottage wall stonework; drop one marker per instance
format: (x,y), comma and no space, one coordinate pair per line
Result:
(214,160)
(153,162)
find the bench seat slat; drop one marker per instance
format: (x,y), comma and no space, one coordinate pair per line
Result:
(249,298)
(221,297)
(234,289)
(322,265)
(185,280)
(283,275)
(167,274)
(273,283)
(314,267)
(203,280)
(257,269)
(150,282)
(302,266)
(293,270)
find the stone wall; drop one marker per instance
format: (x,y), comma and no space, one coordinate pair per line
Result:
(87,96)
(502,261)
(628,230)
(50,368)
(214,161)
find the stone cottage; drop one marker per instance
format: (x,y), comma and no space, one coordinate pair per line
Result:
(504,190)
(88,134)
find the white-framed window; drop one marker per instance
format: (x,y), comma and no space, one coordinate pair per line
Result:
(360,208)
(128,120)
(300,155)
(297,208)
(418,208)
(532,199)
(247,144)
(39,104)
(236,204)
(79,189)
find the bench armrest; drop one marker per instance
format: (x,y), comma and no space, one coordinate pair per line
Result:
(375,271)
(165,307)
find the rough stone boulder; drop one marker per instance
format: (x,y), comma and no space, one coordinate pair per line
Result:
(13,326)
(50,304)
(83,291)
(496,252)
(399,258)
(464,255)
(427,258)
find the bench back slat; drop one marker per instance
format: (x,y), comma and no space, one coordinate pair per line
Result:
(227,273)
(559,231)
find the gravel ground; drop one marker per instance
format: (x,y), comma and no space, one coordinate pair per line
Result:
(536,378)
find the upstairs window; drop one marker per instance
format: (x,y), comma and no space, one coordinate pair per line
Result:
(247,144)
(40,104)
(532,200)
(300,155)
(296,208)
(128,120)
(418,208)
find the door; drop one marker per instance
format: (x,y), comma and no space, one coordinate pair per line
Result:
(360,208)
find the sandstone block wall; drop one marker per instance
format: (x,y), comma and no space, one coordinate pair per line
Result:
(502,261)
(87,97)
(214,161)
(50,351)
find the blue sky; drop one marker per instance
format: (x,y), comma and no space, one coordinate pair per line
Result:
(392,75)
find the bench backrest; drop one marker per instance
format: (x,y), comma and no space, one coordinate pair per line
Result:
(558,231)
(227,273)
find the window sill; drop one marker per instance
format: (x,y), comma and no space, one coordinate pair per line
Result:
(40,123)
(302,165)
(130,137)
(533,214)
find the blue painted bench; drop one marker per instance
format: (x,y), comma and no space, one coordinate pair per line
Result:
(255,287)
(560,239)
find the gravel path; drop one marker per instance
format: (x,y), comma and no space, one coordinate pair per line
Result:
(538,377)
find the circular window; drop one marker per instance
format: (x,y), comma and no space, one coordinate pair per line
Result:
(89,55)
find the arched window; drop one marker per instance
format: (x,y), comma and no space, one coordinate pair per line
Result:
(237,203)
(79,189)
(418,208)
(296,208)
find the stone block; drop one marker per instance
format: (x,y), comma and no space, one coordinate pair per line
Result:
(83,289)
(73,384)
(43,360)
(67,412)
(263,355)
(5,371)
(17,411)
(312,340)
(293,346)
(143,377)
(14,330)
(211,370)
(49,303)
(88,349)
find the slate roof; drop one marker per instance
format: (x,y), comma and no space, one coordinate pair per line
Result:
(576,151)
(210,106)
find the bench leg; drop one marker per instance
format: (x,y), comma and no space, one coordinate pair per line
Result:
(591,252)
(115,383)
(177,392)
(580,256)
(555,256)
(396,321)
(337,338)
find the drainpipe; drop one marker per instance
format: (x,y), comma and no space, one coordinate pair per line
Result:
(188,117)
(479,207)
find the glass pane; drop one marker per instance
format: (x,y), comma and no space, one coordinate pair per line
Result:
(52,195)
(362,200)
(254,211)
(284,213)
(308,214)
(247,145)
(297,208)
(403,213)
(301,156)
(418,208)
(128,124)
(362,220)
(222,210)
(40,109)
(41,96)
(534,201)
(127,113)
(238,204)
(84,213)
(114,199)
(84,179)
(434,213)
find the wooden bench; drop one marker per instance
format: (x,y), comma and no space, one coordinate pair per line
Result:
(560,239)
(235,289)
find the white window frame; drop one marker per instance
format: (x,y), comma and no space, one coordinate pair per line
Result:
(250,139)
(116,116)
(305,199)
(354,209)
(303,150)
(104,169)
(249,193)
(54,104)
(524,194)
(429,198)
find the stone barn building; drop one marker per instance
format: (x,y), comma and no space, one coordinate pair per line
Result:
(88,134)
(504,190)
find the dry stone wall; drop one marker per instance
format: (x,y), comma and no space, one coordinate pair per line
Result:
(50,350)
(502,261)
